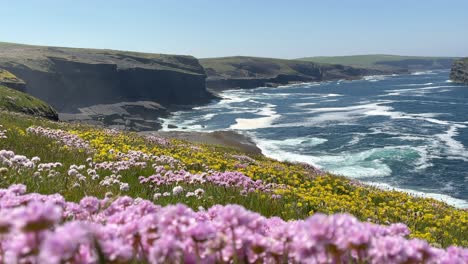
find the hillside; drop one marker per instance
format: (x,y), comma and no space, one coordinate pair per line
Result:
(70,79)
(122,197)
(251,72)
(459,71)
(17,101)
(387,62)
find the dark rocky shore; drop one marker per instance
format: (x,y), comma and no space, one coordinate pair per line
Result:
(459,72)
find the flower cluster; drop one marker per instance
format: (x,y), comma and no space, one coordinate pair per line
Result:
(38,228)
(157,140)
(306,191)
(61,136)
(223,179)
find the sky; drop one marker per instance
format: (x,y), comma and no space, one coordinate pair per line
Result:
(263,28)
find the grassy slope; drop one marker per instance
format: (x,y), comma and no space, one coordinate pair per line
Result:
(15,101)
(364,60)
(37,57)
(305,191)
(259,67)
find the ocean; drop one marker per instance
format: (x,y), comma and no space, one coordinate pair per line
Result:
(403,132)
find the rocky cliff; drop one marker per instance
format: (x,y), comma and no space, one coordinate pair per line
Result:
(14,100)
(71,79)
(459,72)
(251,72)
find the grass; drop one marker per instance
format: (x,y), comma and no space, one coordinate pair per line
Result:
(305,191)
(253,67)
(38,58)
(366,61)
(16,101)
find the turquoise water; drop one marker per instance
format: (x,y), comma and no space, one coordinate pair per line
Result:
(406,132)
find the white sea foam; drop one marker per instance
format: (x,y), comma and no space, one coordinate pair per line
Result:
(354,166)
(269,115)
(459,203)
(374,78)
(423,73)
(415,84)
(454,148)
(304,104)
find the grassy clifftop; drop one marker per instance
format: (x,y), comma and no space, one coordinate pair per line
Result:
(38,58)
(250,67)
(251,72)
(383,61)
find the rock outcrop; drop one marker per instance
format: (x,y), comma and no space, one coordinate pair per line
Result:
(459,72)
(251,72)
(70,79)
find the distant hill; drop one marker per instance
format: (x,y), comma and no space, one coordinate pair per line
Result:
(387,62)
(13,100)
(251,72)
(459,71)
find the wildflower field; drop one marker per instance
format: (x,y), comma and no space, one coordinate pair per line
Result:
(80,194)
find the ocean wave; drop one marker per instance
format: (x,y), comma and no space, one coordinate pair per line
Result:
(358,165)
(375,78)
(454,148)
(424,73)
(269,115)
(415,84)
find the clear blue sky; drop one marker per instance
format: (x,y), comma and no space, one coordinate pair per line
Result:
(211,28)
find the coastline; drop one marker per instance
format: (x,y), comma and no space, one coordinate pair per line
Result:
(456,202)
(225,138)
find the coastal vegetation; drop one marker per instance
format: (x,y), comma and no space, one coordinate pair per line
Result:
(100,185)
(384,61)
(17,101)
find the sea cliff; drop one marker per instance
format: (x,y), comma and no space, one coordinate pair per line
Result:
(75,79)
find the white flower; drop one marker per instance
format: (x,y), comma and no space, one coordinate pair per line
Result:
(167,194)
(124,187)
(156,196)
(199,192)
(72,172)
(3,170)
(36,159)
(177,190)
(189,194)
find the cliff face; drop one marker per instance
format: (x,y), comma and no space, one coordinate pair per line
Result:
(74,79)
(251,72)
(459,72)
(71,85)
